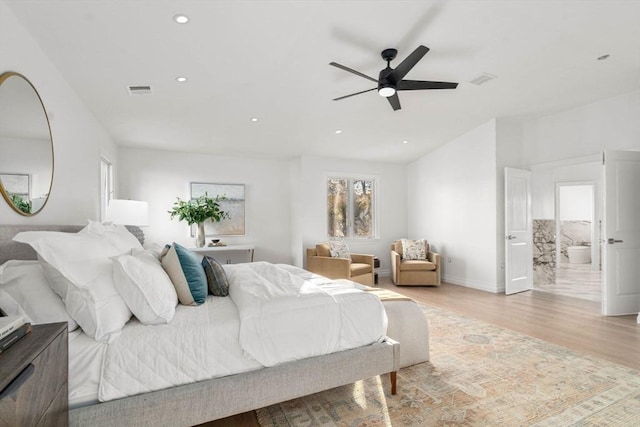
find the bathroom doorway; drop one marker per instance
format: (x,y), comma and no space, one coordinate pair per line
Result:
(578,261)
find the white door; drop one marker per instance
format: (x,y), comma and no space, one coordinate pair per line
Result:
(621,246)
(518,263)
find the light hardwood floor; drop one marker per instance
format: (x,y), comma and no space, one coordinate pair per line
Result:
(570,322)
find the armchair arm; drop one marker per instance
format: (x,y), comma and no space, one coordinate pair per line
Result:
(333,268)
(434,258)
(395,266)
(363,259)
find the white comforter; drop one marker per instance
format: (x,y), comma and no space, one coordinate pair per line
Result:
(284,317)
(271,317)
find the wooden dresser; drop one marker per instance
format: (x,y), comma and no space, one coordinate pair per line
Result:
(33,379)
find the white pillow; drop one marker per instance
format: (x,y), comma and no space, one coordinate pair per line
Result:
(145,287)
(115,234)
(24,282)
(79,270)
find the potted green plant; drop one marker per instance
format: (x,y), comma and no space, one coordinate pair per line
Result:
(197,211)
(20,203)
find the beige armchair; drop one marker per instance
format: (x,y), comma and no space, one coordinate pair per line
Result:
(359,268)
(414,272)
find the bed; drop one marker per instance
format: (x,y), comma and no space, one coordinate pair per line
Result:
(269,374)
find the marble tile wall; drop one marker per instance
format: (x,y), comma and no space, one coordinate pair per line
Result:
(544,251)
(573,233)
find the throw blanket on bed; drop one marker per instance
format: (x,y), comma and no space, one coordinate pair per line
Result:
(271,316)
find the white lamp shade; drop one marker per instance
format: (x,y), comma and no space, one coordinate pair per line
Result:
(128,212)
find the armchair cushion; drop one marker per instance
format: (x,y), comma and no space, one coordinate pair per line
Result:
(322,249)
(417,265)
(358,268)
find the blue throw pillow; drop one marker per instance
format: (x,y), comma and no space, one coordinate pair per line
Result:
(186,273)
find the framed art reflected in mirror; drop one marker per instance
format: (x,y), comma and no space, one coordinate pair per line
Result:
(232,201)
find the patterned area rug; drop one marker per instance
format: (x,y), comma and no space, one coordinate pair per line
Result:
(479,375)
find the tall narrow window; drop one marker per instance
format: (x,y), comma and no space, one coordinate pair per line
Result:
(106,185)
(350,208)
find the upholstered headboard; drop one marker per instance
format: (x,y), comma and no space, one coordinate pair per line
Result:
(15,250)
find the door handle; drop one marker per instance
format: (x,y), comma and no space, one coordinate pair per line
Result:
(510,237)
(611,241)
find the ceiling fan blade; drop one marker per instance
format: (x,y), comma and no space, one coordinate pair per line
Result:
(409,62)
(357,73)
(394,101)
(354,94)
(419,85)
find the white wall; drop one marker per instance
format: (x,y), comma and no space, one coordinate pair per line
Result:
(158,177)
(576,202)
(612,123)
(453,204)
(78,138)
(311,204)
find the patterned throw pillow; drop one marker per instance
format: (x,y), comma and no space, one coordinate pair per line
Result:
(216,277)
(339,249)
(413,249)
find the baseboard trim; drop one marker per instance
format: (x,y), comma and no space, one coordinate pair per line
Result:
(463,281)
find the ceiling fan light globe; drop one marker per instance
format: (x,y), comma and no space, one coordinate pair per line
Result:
(386,91)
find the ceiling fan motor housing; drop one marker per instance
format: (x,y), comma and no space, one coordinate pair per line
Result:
(386,86)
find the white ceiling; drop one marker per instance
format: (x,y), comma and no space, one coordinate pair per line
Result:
(269,59)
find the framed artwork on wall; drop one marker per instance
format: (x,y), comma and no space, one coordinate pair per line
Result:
(233,203)
(16,183)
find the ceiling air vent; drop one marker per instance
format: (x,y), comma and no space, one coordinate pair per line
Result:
(482,79)
(139,90)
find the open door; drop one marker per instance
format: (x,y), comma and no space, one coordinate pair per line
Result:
(518,263)
(621,221)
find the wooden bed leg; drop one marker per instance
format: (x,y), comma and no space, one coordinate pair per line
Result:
(394,379)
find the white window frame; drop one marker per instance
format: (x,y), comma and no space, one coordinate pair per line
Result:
(374,207)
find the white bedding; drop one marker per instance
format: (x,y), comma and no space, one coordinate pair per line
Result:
(200,342)
(284,317)
(274,314)
(271,316)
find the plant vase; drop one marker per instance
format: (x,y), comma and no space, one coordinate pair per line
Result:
(200,234)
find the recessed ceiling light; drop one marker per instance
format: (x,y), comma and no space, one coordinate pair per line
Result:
(405,142)
(181,19)
(254,119)
(181,79)
(603,57)
(339,131)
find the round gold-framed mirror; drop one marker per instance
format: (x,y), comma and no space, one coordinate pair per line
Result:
(26,145)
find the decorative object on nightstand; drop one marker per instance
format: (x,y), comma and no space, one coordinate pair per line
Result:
(33,378)
(197,211)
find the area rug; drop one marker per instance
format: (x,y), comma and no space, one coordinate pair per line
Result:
(478,375)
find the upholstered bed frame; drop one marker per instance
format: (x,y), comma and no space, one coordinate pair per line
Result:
(196,403)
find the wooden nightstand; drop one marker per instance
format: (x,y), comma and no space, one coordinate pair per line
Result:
(33,379)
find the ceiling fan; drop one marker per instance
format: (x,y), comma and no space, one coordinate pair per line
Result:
(390,80)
